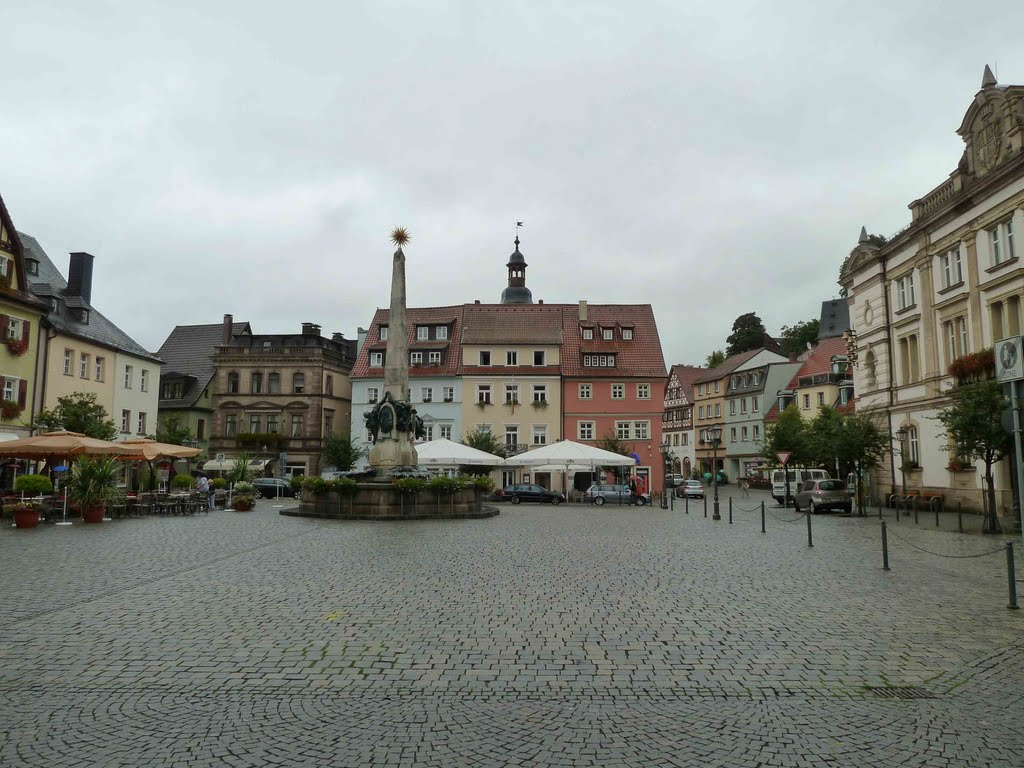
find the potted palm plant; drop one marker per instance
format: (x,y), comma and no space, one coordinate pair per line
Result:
(93,485)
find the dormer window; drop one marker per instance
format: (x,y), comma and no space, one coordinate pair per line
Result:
(83,316)
(627,334)
(588,334)
(608,334)
(32,266)
(383,333)
(441,332)
(422,333)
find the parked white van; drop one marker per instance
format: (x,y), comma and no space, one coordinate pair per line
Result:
(796,477)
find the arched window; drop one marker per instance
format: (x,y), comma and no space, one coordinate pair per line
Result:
(912,445)
(298,383)
(329,384)
(273,382)
(233,383)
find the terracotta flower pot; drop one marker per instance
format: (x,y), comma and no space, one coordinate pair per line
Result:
(27,518)
(93,514)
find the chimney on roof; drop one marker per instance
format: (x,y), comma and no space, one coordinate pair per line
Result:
(310,329)
(80,276)
(583,311)
(540,301)
(229,324)
(337,336)
(476,301)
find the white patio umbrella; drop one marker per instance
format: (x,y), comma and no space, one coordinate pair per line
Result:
(446,453)
(569,455)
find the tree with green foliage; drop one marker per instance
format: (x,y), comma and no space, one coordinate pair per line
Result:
(795,338)
(747,333)
(715,359)
(790,432)
(484,440)
(341,452)
(855,441)
(973,426)
(611,442)
(78,412)
(171,429)
(241,471)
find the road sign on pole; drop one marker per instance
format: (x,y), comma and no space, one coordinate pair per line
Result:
(1009,359)
(783,457)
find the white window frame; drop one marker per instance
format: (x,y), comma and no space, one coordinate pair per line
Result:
(623,430)
(913,443)
(434,358)
(83,365)
(755,404)
(511,393)
(126,421)
(586,391)
(588,334)
(444,431)
(422,333)
(539,434)
(441,332)
(585,430)
(627,334)
(69,361)
(11,389)
(995,246)
(618,391)
(757,432)
(732,407)
(540,393)
(100,364)
(143,380)
(448,393)
(608,334)
(641,430)
(643,391)
(415,358)
(142,423)
(483,393)
(383,334)
(373,395)
(511,358)
(128,377)
(427,394)
(376,359)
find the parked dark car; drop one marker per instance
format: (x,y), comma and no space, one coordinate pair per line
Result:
(819,495)
(531,492)
(599,493)
(272,487)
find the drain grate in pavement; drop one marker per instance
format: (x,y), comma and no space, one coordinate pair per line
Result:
(908,692)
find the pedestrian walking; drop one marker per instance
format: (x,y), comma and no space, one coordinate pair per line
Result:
(745,486)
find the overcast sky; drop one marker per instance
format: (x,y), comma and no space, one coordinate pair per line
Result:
(251,157)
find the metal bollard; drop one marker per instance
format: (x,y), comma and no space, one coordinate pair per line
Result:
(672,501)
(898,504)
(879,506)
(915,511)
(885,548)
(810,539)
(686,503)
(1011,577)
(705,505)
(762,518)
(936,515)
(730,510)
(959,515)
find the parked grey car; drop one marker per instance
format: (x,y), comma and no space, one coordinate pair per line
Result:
(819,495)
(693,489)
(616,494)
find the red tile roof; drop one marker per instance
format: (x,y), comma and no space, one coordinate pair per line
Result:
(687,375)
(640,357)
(512,324)
(820,359)
(729,365)
(451,316)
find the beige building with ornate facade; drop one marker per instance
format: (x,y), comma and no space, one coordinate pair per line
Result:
(948,284)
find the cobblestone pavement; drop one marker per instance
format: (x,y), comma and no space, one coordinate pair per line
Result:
(548,636)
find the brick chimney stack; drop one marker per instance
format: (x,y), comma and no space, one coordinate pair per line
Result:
(229,324)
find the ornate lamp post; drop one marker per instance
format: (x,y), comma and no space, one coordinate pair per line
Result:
(713,435)
(666,462)
(901,435)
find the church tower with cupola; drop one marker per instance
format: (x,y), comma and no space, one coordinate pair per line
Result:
(516,292)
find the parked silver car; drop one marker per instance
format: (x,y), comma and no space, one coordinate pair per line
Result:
(693,489)
(599,493)
(819,495)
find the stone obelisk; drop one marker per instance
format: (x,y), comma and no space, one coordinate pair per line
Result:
(393,446)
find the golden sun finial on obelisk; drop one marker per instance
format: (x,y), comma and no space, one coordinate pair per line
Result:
(400,236)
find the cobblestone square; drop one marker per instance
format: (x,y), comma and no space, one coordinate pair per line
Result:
(547,636)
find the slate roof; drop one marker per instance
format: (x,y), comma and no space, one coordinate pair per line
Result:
(729,365)
(640,357)
(835,318)
(451,316)
(99,330)
(188,351)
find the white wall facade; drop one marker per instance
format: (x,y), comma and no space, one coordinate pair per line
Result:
(140,395)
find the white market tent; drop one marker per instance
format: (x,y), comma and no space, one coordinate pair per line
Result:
(568,455)
(446,453)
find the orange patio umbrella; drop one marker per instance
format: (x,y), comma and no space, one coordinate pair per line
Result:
(147,449)
(63,443)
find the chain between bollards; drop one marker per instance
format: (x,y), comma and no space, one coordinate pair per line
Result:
(810,538)
(885,548)
(762,518)
(1011,577)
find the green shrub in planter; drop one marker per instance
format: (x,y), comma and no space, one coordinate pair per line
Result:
(410,485)
(245,489)
(315,485)
(344,486)
(32,485)
(295,482)
(244,502)
(219,483)
(483,482)
(182,482)
(445,486)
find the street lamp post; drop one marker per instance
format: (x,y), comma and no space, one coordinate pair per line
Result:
(665,459)
(713,435)
(901,435)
